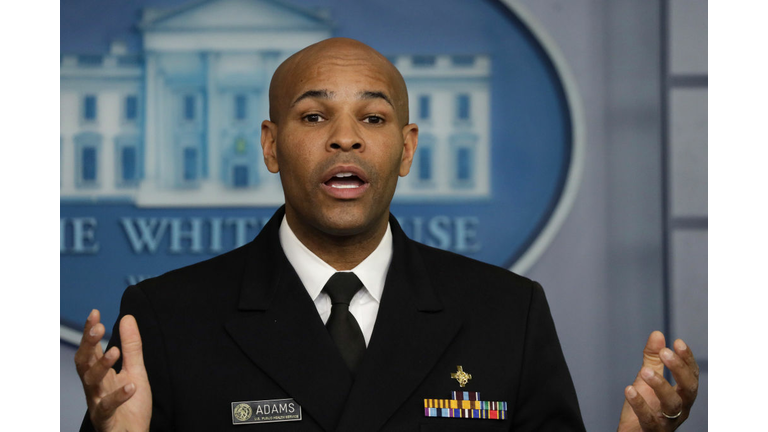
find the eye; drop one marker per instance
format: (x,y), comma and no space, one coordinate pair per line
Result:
(313,118)
(374,119)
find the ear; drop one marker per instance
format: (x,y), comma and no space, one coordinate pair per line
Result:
(269,145)
(410,141)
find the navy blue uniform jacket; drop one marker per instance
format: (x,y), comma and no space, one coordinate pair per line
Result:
(241,327)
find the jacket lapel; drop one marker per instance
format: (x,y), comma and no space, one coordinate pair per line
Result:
(278,328)
(412,331)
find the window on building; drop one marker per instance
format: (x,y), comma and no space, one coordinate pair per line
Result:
(463,148)
(463,107)
(190,164)
(464,164)
(240,176)
(463,60)
(129,61)
(89,108)
(424,60)
(241,107)
(189,107)
(89,160)
(90,60)
(129,164)
(131,108)
(425,158)
(424,107)
(87,148)
(425,164)
(128,160)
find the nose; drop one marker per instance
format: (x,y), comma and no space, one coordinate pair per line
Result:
(345,135)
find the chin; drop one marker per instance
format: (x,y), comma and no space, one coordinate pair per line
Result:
(346,222)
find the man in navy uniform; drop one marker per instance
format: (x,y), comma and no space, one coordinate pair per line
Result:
(332,319)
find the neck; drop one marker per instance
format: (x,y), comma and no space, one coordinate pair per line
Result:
(342,252)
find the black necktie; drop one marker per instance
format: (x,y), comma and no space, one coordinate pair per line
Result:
(342,325)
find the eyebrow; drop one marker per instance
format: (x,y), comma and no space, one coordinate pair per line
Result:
(375,95)
(315,94)
(325,94)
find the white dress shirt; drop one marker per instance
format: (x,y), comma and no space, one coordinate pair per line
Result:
(314,273)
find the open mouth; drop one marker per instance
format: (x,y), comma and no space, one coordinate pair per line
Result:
(345,180)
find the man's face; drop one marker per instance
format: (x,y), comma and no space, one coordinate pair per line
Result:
(339,144)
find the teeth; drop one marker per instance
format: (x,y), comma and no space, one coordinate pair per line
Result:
(344,186)
(342,175)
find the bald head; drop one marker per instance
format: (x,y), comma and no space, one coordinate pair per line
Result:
(319,60)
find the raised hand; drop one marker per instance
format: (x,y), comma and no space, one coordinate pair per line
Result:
(651,402)
(116,401)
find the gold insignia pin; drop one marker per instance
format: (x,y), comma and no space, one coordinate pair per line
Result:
(242,412)
(461,376)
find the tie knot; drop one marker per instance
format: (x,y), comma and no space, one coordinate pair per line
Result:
(342,286)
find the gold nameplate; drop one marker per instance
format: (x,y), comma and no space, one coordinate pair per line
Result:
(265,411)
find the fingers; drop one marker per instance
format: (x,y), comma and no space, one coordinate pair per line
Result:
(89,350)
(684,369)
(93,377)
(106,407)
(669,401)
(651,351)
(650,405)
(685,353)
(133,355)
(645,415)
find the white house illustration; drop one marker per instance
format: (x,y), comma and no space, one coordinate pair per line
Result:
(449,99)
(179,123)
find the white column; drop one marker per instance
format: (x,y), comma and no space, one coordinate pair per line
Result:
(68,128)
(165,115)
(151,174)
(212,121)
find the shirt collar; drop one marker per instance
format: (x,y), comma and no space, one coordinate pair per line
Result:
(314,272)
